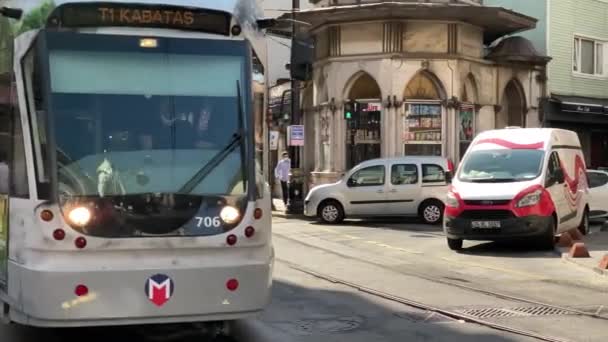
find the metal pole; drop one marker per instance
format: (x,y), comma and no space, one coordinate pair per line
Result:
(295,115)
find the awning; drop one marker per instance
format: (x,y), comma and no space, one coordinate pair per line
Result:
(585,105)
(586,110)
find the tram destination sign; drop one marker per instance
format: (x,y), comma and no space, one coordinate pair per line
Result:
(100,14)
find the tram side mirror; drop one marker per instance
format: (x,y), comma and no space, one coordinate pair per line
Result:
(448,177)
(14,13)
(266,23)
(44,191)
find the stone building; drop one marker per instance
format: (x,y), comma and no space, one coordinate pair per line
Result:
(393,78)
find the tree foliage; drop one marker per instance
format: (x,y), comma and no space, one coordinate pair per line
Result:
(35,18)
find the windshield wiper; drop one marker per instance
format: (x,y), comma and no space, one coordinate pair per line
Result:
(237,139)
(491,180)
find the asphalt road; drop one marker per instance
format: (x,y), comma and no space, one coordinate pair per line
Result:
(402,260)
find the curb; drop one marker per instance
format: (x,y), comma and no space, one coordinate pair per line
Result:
(284,215)
(594,269)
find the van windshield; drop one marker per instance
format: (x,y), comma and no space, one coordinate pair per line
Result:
(501,166)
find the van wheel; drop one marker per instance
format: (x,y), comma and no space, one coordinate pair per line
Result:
(547,240)
(455,244)
(330,212)
(431,211)
(584,226)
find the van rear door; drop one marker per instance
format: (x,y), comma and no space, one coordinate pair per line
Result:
(556,186)
(403,188)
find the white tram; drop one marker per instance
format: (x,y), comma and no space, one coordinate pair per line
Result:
(131,154)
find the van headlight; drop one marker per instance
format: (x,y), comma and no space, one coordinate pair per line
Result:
(530,199)
(452,201)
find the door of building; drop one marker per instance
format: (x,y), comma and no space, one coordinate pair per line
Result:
(363,133)
(599,149)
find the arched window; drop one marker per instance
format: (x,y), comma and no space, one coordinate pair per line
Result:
(513,105)
(423,124)
(362,112)
(467,115)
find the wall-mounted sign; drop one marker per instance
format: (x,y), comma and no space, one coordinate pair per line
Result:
(295,135)
(581,108)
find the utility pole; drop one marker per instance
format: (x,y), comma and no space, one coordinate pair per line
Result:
(295,99)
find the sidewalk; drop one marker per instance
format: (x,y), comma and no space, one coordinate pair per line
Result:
(279,210)
(597,244)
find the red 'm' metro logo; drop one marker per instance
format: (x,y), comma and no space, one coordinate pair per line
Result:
(159,289)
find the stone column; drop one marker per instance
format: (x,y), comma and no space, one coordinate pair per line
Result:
(317,141)
(339,142)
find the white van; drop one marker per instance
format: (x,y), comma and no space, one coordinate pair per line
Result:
(518,182)
(415,188)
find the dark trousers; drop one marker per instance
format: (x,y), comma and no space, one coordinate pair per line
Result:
(285,191)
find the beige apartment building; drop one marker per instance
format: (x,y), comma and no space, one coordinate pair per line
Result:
(393,78)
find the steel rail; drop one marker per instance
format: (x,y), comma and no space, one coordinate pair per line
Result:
(443,282)
(418,305)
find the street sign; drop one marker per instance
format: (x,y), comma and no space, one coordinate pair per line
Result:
(274,140)
(296,135)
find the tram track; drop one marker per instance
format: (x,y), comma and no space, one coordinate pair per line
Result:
(448,313)
(470,288)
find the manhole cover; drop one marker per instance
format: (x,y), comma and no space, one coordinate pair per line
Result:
(515,312)
(328,326)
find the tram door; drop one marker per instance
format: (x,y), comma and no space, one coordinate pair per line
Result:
(363,138)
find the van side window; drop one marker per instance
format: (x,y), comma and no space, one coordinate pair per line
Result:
(404,174)
(432,173)
(369,176)
(554,164)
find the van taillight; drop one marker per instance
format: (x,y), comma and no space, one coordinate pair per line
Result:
(450,166)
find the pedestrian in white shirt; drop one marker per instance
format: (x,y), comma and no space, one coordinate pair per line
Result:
(281,172)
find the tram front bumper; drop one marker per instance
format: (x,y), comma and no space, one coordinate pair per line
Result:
(125,297)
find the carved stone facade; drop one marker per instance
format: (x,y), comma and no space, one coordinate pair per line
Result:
(410,85)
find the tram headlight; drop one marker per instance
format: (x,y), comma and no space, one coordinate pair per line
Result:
(230,214)
(80,216)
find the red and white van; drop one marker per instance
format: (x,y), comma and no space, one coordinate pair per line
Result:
(518,182)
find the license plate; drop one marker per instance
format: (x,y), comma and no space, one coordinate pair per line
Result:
(485,224)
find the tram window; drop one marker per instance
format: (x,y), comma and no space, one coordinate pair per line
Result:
(4,147)
(18,179)
(37,115)
(5,119)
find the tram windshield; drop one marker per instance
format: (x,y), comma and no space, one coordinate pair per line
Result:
(137,119)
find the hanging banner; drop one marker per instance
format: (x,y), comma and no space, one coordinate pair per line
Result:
(466,123)
(274,140)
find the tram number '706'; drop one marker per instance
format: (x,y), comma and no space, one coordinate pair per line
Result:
(208,221)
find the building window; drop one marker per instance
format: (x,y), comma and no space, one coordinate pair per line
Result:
(466,127)
(423,129)
(588,56)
